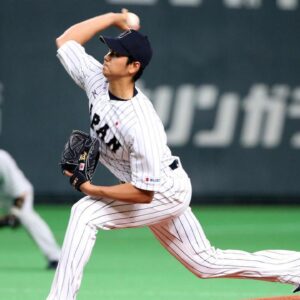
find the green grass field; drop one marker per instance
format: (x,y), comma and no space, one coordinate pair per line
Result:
(131,265)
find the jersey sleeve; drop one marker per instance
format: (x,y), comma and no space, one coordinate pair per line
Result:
(14,183)
(78,64)
(145,160)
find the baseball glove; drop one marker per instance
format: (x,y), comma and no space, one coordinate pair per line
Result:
(80,157)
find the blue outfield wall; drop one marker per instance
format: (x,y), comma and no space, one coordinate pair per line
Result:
(225,79)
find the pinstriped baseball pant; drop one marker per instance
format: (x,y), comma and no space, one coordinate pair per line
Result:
(177,229)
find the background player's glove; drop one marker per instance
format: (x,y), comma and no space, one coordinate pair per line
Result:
(80,157)
(9,221)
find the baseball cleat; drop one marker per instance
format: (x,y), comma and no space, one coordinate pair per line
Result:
(52,264)
(297,289)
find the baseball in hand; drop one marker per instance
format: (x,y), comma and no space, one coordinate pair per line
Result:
(133,21)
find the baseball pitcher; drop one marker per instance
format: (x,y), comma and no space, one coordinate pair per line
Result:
(155,190)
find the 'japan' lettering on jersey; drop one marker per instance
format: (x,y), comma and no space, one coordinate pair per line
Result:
(133,141)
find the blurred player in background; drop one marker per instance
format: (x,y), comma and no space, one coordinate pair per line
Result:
(156,191)
(16,195)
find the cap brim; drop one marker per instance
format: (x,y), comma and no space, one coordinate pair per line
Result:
(114,44)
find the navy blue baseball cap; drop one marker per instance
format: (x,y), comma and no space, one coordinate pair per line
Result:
(131,43)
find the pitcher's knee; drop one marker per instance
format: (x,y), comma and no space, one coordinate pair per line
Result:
(204,275)
(202,272)
(204,264)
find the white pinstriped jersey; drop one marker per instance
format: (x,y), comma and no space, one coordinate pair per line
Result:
(133,141)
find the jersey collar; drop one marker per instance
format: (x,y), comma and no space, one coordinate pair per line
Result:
(113,97)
